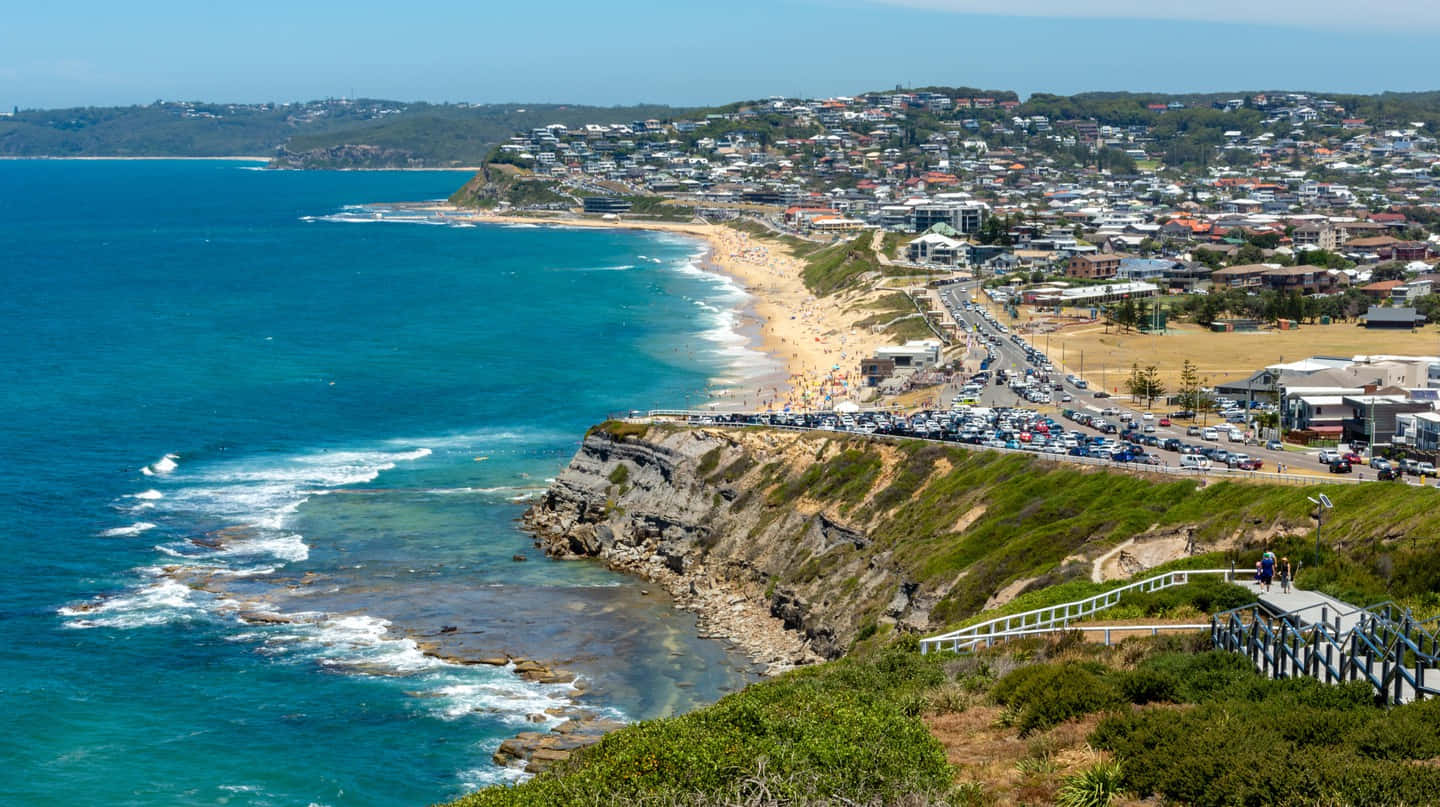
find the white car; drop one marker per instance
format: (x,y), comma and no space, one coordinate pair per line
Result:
(1147,416)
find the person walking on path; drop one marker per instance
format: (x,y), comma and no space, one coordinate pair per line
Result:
(1267,570)
(1285,572)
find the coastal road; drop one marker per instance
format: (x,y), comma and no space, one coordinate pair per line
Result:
(1011,358)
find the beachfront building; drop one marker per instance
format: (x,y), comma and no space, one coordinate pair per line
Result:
(917,355)
(939,249)
(1083,296)
(606,204)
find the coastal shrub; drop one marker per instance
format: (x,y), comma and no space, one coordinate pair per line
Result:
(847,477)
(708,462)
(1096,786)
(1148,685)
(738,468)
(619,429)
(1319,744)
(847,730)
(1049,694)
(1197,676)
(620,475)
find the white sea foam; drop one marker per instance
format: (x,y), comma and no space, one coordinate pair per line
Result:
(148,495)
(290,548)
(265,494)
(522,226)
(156,603)
(512,492)
(134,529)
(164,465)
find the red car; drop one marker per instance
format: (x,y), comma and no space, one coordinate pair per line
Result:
(1164,421)
(1251,465)
(1353,458)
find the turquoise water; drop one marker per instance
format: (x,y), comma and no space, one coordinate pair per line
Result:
(229,391)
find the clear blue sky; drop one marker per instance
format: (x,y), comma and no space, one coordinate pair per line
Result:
(626,51)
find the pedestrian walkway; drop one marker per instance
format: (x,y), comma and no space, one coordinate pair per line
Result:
(1307,634)
(1309,607)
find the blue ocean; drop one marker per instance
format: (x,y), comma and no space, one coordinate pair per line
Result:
(263,451)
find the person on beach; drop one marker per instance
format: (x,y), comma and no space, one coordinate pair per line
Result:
(1267,570)
(1285,573)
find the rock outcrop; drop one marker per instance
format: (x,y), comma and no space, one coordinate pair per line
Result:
(788,582)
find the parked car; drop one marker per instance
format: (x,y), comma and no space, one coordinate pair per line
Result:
(1192,431)
(1339,467)
(1164,421)
(1425,469)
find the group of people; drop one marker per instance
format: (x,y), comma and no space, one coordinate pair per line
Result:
(1267,568)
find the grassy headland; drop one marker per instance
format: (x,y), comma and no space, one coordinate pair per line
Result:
(1038,721)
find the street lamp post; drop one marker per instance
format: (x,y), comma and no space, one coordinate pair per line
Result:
(1321,505)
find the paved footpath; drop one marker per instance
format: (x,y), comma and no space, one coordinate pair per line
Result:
(1309,604)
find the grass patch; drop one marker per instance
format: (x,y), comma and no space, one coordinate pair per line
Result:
(619,429)
(839,267)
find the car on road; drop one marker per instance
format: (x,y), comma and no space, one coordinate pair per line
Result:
(1147,416)
(1274,445)
(1425,468)
(1389,474)
(1101,394)
(1339,467)
(1328,457)
(1352,458)
(1209,434)
(1251,464)
(1164,421)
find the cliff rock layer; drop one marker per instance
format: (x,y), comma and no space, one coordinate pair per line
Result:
(796,545)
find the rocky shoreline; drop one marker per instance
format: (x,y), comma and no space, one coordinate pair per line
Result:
(678,507)
(723,609)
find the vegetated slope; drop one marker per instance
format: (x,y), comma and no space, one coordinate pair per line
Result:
(844,537)
(841,266)
(432,135)
(497,183)
(1038,721)
(846,729)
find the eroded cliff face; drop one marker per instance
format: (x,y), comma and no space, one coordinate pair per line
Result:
(788,578)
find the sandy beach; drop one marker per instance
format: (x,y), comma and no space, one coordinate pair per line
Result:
(813,337)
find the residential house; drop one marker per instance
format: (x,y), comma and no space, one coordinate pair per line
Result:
(1094,266)
(1373,416)
(1319,235)
(1417,430)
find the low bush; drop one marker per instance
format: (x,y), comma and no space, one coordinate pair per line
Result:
(1047,695)
(844,731)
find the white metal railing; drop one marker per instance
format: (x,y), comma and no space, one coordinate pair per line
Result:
(1054,617)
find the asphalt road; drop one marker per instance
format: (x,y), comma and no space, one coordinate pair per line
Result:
(1011,358)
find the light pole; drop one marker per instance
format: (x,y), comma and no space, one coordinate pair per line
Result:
(1321,505)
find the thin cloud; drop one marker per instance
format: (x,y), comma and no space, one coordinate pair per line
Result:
(1399,15)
